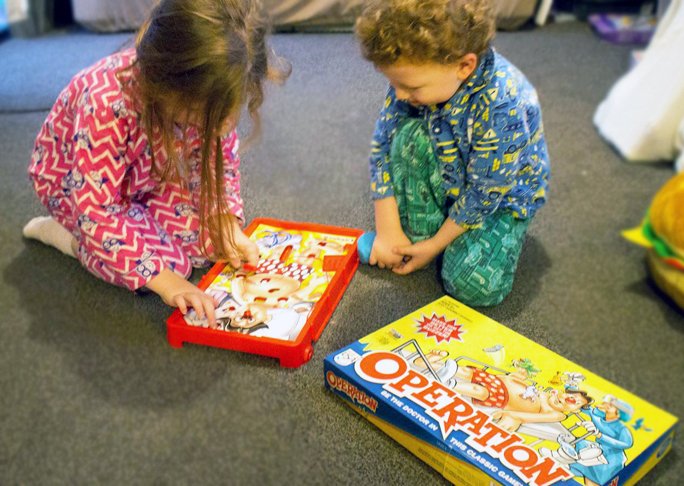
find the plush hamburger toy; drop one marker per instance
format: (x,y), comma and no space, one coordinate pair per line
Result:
(662,232)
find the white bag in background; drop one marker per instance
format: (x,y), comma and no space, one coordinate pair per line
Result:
(643,112)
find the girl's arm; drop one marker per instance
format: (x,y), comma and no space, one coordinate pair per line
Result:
(108,161)
(245,250)
(175,291)
(230,146)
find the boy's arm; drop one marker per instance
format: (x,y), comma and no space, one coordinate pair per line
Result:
(446,234)
(380,178)
(387,216)
(507,135)
(389,234)
(387,221)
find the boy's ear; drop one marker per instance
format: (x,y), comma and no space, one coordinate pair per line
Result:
(466,65)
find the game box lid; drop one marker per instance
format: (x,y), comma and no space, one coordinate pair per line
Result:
(484,405)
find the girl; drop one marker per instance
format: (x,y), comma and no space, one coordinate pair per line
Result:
(137,162)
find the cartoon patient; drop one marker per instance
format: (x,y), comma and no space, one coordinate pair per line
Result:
(271,302)
(274,301)
(277,298)
(438,362)
(510,394)
(316,248)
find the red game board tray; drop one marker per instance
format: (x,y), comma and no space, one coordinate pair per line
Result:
(280,308)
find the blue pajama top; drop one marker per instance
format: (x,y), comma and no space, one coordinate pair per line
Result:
(488,137)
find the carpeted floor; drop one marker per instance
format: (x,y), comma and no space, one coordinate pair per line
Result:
(90,392)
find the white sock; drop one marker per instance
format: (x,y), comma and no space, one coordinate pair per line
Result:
(50,232)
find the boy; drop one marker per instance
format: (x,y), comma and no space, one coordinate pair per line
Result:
(459,163)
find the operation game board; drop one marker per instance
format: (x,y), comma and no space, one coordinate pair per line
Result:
(279,308)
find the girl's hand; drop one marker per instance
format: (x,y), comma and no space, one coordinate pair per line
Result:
(382,253)
(416,256)
(175,291)
(203,303)
(245,250)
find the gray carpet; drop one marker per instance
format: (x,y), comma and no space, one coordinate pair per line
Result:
(33,71)
(90,392)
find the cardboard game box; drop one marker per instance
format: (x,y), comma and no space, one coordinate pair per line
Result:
(484,405)
(280,308)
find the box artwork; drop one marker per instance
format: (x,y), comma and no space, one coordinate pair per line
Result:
(484,405)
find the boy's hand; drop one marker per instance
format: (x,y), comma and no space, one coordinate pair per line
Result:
(382,253)
(416,256)
(175,291)
(420,254)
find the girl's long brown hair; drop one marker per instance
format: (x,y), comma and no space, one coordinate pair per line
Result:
(207,59)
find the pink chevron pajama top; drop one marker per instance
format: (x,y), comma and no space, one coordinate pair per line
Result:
(92,169)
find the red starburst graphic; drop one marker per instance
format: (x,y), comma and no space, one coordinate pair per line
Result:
(439,328)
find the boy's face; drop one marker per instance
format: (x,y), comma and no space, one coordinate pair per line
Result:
(430,83)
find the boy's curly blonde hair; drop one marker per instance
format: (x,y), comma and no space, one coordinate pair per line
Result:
(421,31)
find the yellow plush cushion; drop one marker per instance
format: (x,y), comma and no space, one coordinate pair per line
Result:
(667,214)
(667,278)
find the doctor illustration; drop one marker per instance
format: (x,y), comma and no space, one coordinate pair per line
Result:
(609,425)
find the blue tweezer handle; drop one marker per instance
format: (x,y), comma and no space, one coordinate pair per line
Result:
(365,244)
